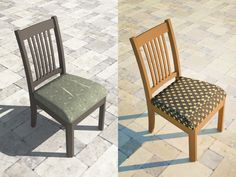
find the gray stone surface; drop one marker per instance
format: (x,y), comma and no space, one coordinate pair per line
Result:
(89,34)
(211,159)
(19,170)
(93,151)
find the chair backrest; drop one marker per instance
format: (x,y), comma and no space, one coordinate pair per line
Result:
(38,51)
(153,56)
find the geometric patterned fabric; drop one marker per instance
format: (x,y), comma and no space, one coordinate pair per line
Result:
(189,101)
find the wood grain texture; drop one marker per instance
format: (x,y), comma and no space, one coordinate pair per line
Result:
(156,53)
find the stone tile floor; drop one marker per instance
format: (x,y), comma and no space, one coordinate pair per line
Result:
(89,32)
(206,39)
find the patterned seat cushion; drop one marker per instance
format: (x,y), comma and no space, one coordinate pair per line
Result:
(70,96)
(189,101)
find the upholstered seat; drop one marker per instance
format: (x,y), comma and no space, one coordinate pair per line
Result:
(70,96)
(189,101)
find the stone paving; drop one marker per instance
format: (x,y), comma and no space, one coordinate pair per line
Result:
(206,39)
(89,33)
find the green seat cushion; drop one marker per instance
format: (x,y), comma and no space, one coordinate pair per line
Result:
(70,96)
(189,101)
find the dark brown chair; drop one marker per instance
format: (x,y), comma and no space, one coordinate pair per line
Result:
(67,98)
(187,103)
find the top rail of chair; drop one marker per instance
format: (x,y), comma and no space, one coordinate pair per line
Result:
(149,34)
(37,28)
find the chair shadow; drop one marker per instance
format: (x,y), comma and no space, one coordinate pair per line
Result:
(132,116)
(12,144)
(141,138)
(153,164)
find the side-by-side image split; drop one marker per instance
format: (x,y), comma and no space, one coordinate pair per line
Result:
(117,88)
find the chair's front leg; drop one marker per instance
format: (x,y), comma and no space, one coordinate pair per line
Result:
(192,146)
(101,116)
(221,119)
(151,120)
(33,108)
(70,140)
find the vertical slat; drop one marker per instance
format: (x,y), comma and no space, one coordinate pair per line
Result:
(37,57)
(166,53)
(149,64)
(51,48)
(159,58)
(163,56)
(153,63)
(48,52)
(44,52)
(40,54)
(156,59)
(34,59)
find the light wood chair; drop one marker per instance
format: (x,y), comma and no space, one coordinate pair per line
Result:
(187,103)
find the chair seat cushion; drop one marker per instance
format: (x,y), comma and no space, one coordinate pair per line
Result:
(70,96)
(189,101)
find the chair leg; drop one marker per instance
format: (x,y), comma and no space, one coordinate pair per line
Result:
(33,115)
(151,120)
(220,119)
(69,141)
(192,146)
(101,116)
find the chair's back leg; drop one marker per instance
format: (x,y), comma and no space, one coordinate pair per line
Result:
(33,108)
(221,119)
(101,116)
(151,120)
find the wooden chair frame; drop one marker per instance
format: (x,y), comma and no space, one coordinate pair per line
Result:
(164,76)
(44,65)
